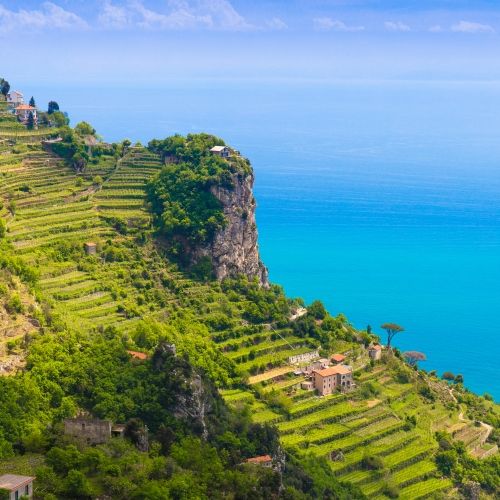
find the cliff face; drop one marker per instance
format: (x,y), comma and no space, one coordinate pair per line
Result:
(234,249)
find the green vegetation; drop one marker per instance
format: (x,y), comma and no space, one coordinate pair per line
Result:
(216,386)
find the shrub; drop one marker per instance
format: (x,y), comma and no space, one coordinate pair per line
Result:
(372,462)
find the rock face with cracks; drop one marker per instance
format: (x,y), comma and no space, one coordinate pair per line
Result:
(234,249)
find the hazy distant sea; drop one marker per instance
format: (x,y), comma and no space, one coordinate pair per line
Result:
(381,199)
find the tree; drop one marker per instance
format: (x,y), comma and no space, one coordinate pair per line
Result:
(4,87)
(84,128)
(3,228)
(413,357)
(60,119)
(32,102)
(392,329)
(31,121)
(448,376)
(317,310)
(459,379)
(53,106)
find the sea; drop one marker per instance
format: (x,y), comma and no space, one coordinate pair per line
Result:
(382,199)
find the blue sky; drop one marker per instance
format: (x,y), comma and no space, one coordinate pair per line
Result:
(158,40)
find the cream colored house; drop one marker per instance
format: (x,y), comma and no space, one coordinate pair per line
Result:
(328,380)
(17,486)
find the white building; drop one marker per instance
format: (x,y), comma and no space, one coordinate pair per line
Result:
(15,97)
(303,358)
(17,486)
(222,151)
(23,111)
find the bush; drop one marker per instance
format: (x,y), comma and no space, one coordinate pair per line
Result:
(372,462)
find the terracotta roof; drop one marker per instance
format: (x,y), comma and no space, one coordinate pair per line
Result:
(333,370)
(376,347)
(12,482)
(259,460)
(138,355)
(25,107)
(338,357)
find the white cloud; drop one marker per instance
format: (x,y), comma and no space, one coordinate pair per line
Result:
(49,16)
(186,14)
(396,26)
(113,16)
(436,29)
(327,24)
(470,27)
(276,24)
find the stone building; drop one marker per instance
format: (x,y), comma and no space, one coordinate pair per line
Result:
(304,357)
(88,430)
(375,352)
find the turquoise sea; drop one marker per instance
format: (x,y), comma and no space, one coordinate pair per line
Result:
(382,199)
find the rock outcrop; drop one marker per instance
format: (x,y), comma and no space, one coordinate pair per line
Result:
(234,249)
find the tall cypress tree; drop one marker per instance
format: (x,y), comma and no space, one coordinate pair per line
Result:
(31,121)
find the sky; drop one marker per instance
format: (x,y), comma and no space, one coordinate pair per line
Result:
(155,41)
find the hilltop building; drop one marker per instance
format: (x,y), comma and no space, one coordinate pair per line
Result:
(15,98)
(17,486)
(23,111)
(326,381)
(375,352)
(222,151)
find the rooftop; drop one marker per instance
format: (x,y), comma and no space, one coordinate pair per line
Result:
(217,149)
(338,357)
(334,370)
(12,482)
(138,355)
(376,347)
(259,460)
(25,107)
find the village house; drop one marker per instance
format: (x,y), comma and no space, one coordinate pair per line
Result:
(23,111)
(88,430)
(319,364)
(326,381)
(338,359)
(304,357)
(15,98)
(375,352)
(222,151)
(263,460)
(17,486)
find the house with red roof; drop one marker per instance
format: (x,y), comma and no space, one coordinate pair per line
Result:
(375,351)
(337,377)
(263,460)
(23,111)
(338,358)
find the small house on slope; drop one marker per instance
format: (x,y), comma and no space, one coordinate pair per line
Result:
(263,461)
(336,377)
(17,486)
(222,151)
(375,352)
(23,112)
(15,98)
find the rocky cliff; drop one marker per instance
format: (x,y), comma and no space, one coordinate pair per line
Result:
(234,249)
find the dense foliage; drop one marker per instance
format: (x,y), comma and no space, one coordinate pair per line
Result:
(181,195)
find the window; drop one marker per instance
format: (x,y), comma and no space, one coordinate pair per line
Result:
(16,496)
(27,489)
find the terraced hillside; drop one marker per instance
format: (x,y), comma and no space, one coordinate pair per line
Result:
(380,436)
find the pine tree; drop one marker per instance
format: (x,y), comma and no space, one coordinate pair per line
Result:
(32,102)
(53,106)
(31,121)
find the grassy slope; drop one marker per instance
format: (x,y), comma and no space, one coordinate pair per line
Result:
(54,209)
